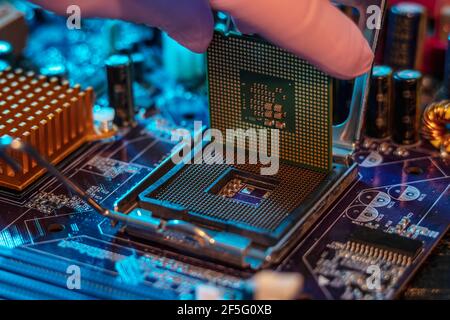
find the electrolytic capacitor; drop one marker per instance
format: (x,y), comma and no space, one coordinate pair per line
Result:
(379,104)
(120,89)
(405,36)
(407,85)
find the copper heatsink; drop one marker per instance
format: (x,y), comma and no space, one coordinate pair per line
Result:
(47,114)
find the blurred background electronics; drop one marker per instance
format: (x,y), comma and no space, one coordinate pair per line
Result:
(366,180)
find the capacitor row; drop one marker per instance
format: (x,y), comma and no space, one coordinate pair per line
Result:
(393,105)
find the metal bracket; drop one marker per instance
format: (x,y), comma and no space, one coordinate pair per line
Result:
(346,134)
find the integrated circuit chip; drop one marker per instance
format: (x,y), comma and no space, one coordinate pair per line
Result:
(387,241)
(254,84)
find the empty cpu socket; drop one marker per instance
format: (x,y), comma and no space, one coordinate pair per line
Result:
(256,85)
(236,198)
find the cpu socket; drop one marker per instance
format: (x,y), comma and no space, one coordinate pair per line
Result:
(231,212)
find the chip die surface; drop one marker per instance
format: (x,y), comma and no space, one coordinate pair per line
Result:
(267,101)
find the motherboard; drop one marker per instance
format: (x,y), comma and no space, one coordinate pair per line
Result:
(382,236)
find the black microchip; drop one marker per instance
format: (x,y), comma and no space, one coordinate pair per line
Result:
(387,241)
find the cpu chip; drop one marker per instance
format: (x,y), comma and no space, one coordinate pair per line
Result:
(254,84)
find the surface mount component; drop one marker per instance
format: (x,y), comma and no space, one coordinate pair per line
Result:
(244,188)
(368,239)
(50,116)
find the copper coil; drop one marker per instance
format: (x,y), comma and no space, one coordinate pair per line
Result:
(436,118)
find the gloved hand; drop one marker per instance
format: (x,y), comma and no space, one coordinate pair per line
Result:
(312,29)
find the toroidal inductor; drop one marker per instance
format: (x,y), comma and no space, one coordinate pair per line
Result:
(436,120)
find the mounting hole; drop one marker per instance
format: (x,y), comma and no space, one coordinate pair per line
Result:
(55,227)
(414,170)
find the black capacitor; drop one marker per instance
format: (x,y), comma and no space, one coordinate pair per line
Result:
(120,89)
(406,31)
(406,119)
(6,51)
(379,104)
